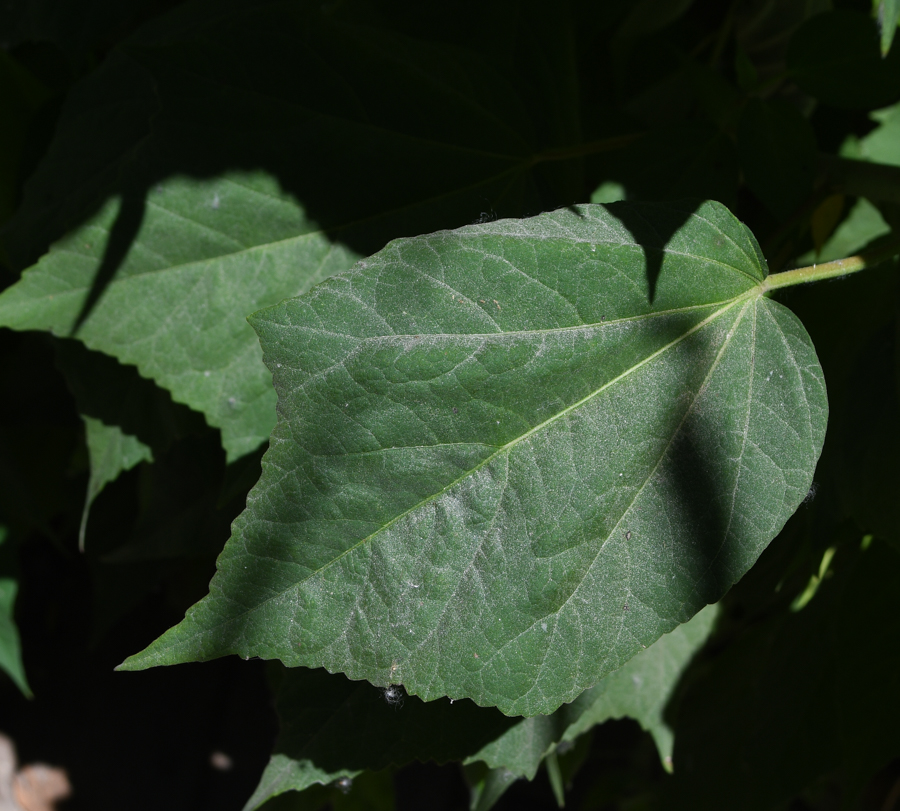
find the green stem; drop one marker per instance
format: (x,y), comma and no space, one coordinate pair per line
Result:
(831,270)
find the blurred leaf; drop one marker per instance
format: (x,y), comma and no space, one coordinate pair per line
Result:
(73,25)
(825,219)
(863,225)
(677,161)
(763,29)
(475,393)
(747,75)
(778,155)
(181,515)
(489,786)
(39,432)
(883,143)
(21,95)
(888,15)
(646,17)
(835,57)
(867,671)
(10,648)
(609,192)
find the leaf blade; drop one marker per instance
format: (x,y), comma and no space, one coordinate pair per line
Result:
(507,501)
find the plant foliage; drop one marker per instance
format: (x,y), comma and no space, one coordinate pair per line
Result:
(476,325)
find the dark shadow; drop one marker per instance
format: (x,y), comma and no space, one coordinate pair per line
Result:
(653,237)
(693,456)
(123,233)
(116,394)
(340,724)
(376,136)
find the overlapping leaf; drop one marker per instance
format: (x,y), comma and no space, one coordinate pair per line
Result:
(511,456)
(211,172)
(111,451)
(333,728)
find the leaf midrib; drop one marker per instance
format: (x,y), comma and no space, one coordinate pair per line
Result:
(501,449)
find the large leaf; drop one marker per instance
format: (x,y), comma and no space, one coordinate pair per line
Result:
(511,456)
(205,181)
(334,728)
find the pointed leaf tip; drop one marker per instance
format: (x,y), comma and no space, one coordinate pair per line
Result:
(511,456)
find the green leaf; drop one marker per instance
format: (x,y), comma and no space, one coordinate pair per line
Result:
(111,452)
(179,319)
(882,144)
(333,728)
(888,16)
(835,57)
(861,226)
(777,146)
(641,689)
(539,421)
(173,246)
(489,785)
(10,648)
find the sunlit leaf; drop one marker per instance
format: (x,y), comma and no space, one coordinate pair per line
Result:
(223,185)
(511,456)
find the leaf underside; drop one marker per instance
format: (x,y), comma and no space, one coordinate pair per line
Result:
(509,457)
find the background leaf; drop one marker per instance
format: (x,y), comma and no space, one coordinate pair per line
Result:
(536,404)
(111,452)
(726,716)
(333,728)
(10,647)
(835,57)
(163,276)
(778,155)
(888,15)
